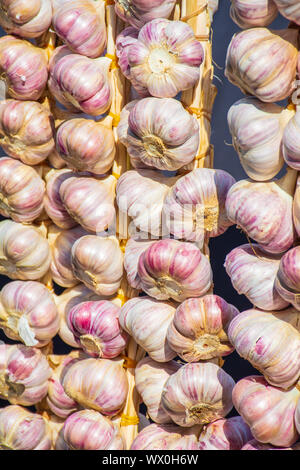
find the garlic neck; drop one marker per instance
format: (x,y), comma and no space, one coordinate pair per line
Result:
(169,286)
(91,344)
(204,412)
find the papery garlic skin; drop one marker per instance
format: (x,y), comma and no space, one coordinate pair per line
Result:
(288,277)
(255,445)
(26,131)
(268,411)
(297,417)
(253,274)
(199,328)
(22,430)
(98,263)
(24,253)
(271,345)
(159,133)
(86,145)
(247,68)
(250,13)
(97,384)
(289,9)
(166,437)
(134,248)
(25,18)
(23,67)
(296,208)
(139,12)
(147,321)
(225,434)
(198,394)
(291,142)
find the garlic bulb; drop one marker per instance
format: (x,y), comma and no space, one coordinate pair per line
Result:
(253,274)
(225,434)
(98,263)
(246,65)
(291,143)
(297,417)
(288,277)
(22,430)
(166,58)
(268,411)
(97,384)
(250,13)
(296,208)
(271,345)
(199,328)
(23,67)
(139,12)
(257,131)
(198,394)
(24,253)
(80,83)
(81,26)
(159,133)
(195,206)
(28,313)
(166,437)
(133,250)
(24,374)
(255,445)
(25,18)
(147,321)
(290,9)
(26,131)
(86,145)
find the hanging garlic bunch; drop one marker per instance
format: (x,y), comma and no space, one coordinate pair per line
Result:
(290,9)
(291,142)
(257,131)
(288,277)
(246,65)
(166,437)
(250,13)
(225,434)
(159,133)
(25,18)
(139,12)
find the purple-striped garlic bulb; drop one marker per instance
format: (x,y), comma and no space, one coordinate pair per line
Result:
(80,83)
(291,141)
(288,277)
(264,211)
(257,131)
(89,430)
(24,252)
(21,429)
(134,248)
(225,434)
(98,263)
(198,393)
(28,313)
(26,131)
(23,68)
(166,58)
(159,133)
(199,328)
(251,13)
(147,321)
(255,445)
(80,24)
(270,344)
(268,411)
(86,145)
(97,384)
(246,65)
(89,201)
(253,273)
(195,207)
(150,378)
(166,437)
(170,269)
(296,208)
(25,18)
(24,374)
(139,12)
(289,9)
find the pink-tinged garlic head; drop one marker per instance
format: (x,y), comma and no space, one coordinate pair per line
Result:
(198,394)
(96,328)
(253,273)
(133,250)
(86,145)
(199,328)
(159,133)
(80,83)
(90,202)
(296,208)
(147,321)
(22,430)
(268,411)
(166,58)
(297,417)
(289,9)
(26,131)
(173,269)
(255,445)
(291,142)
(25,18)
(98,263)
(97,384)
(250,13)
(195,206)
(166,437)
(271,345)
(28,313)
(225,434)
(23,67)
(24,374)
(81,26)
(24,252)
(288,277)
(150,378)
(246,65)
(139,12)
